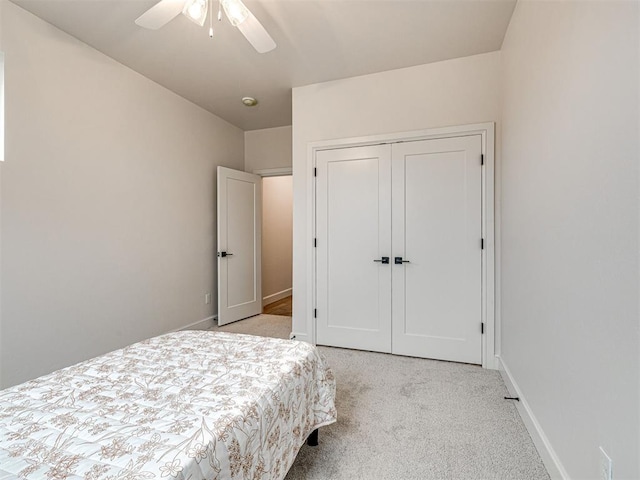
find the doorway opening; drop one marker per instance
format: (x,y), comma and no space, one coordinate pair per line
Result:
(277,243)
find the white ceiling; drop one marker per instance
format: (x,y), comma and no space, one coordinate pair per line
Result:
(318,40)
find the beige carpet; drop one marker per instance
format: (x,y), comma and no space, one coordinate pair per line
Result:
(411,419)
(276,326)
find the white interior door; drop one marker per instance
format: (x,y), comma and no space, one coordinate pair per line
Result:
(239,240)
(353,214)
(437,215)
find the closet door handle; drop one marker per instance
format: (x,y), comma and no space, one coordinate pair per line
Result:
(383,260)
(400,261)
(225,254)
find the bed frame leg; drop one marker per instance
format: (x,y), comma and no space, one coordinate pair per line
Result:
(312,440)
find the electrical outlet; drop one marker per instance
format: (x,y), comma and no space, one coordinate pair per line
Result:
(606,466)
(207,298)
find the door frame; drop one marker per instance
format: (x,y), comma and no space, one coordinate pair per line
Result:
(275,172)
(487,132)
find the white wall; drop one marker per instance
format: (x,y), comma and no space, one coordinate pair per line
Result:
(570,331)
(453,92)
(267,148)
(108,202)
(277,237)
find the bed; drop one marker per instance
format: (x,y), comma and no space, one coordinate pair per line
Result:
(187,405)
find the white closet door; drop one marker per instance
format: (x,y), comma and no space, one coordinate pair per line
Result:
(353,214)
(239,242)
(437,228)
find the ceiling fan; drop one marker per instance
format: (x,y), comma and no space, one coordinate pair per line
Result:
(196,10)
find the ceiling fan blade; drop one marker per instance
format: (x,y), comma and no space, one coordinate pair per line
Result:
(160,14)
(253,31)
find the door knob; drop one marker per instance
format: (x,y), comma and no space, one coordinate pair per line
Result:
(384,260)
(225,254)
(400,261)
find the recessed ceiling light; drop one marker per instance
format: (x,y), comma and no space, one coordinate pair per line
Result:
(249,101)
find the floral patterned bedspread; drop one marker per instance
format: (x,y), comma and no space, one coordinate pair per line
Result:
(187,405)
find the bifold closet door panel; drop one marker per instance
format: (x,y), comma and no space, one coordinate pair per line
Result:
(437,215)
(353,228)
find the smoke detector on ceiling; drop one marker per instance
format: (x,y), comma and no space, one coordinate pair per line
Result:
(249,101)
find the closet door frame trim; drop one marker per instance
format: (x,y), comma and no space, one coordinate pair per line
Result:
(490,339)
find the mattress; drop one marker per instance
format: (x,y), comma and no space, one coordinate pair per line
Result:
(186,405)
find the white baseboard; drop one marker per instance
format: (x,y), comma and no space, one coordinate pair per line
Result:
(547,453)
(277,296)
(203,324)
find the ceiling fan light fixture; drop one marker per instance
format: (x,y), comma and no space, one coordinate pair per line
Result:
(236,11)
(196,11)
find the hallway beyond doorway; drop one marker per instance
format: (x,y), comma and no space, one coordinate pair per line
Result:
(281,307)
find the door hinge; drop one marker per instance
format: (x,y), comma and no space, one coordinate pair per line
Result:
(482,159)
(482,328)
(315,243)
(482,244)
(315,172)
(315,313)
